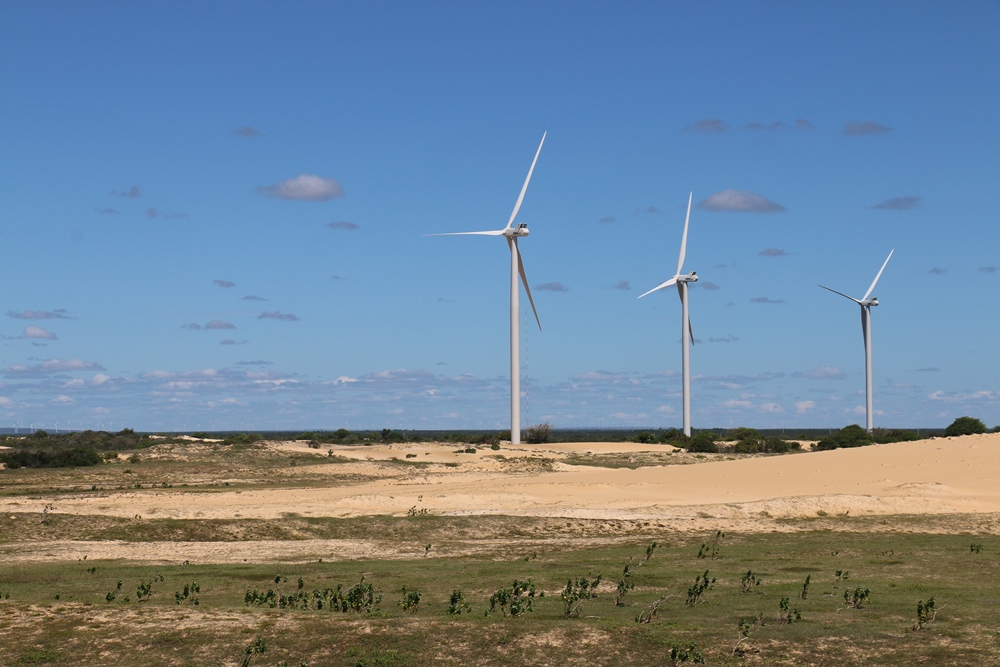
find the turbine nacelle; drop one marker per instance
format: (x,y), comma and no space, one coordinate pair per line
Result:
(689,278)
(521,229)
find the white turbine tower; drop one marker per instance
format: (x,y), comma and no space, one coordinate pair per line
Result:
(687,337)
(512,233)
(866,329)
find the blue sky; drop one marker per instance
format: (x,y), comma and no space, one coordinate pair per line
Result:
(212,214)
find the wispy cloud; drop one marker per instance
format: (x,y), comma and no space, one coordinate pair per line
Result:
(649,210)
(937,271)
(304,187)
(276,315)
(132,193)
(251,297)
(724,339)
(989,269)
(247,131)
(741,201)
(865,129)
(802,407)
(929,369)
(32,331)
(106,210)
(821,373)
(705,284)
(343,225)
(51,366)
(152,213)
(224,283)
(622,285)
(219,324)
(230,341)
(57,314)
(193,326)
(898,203)
(766,299)
(772,252)
(551,287)
(950,397)
(338,278)
(803,124)
(608,219)
(707,126)
(257,362)
(766,127)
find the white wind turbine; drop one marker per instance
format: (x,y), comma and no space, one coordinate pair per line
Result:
(687,337)
(512,233)
(866,329)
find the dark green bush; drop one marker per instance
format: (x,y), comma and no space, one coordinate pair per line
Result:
(965,426)
(538,434)
(849,436)
(702,442)
(76,457)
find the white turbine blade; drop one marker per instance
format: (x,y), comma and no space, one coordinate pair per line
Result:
(495,232)
(841,294)
(660,286)
(684,239)
(524,281)
(864,324)
(524,187)
(868,293)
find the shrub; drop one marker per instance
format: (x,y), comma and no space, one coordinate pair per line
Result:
(76,457)
(538,434)
(849,436)
(701,584)
(457,604)
(576,591)
(513,601)
(965,426)
(644,437)
(703,442)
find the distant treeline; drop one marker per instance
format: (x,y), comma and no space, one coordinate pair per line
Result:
(68,450)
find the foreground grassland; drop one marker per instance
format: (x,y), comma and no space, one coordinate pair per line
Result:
(61,610)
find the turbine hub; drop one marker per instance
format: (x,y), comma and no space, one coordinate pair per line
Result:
(689,278)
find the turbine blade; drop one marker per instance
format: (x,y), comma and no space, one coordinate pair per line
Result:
(660,286)
(864,323)
(684,239)
(524,281)
(868,293)
(841,294)
(524,187)
(495,232)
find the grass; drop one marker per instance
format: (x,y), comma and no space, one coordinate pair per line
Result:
(899,568)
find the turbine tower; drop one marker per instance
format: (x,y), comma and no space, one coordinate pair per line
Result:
(866,329)
(512,233)
(687,336)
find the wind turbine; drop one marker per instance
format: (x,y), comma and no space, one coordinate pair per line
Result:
(687,336)
(512,234)
(866,329)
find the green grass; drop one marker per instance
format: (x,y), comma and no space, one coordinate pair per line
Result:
(81,628)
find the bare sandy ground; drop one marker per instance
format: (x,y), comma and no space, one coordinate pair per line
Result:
(931,477)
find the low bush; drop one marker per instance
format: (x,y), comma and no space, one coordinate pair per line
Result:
(849,436)
(965,426)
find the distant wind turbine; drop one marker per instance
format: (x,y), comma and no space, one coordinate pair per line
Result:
(866,329)
(512,233)
(687,336)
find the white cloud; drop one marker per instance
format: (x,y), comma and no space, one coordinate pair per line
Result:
(772,408)
(38,332)
(276,315)
(733,403)
(99,379)
(62,399)
(741,201)
(821,373)
(802,407)
(304,187)
(59,313)
(219,324)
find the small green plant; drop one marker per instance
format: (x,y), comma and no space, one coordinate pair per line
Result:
(650,549)
(926,612)
(576,592)
(457,604)
(362,597)
(513,601)
(625,584)
(711,549)
(679,653)
(749,582)
(805,587)
(413,511)
(410,601)
(190,593)
(786,613)
(427,550)
(975,548)
(256,647)
(746,626)
(858,598)
(702,584)
(113,595)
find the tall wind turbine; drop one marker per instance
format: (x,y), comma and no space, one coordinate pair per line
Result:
(687,336)
(866,329)
(512,233)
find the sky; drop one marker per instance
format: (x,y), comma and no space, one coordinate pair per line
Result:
(214,215)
